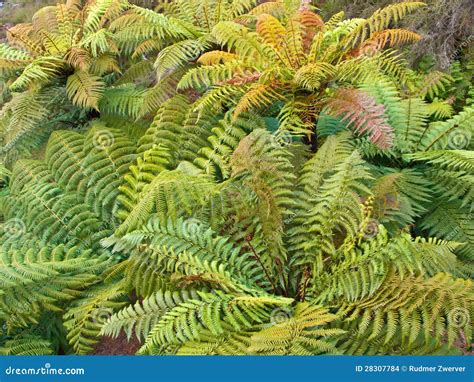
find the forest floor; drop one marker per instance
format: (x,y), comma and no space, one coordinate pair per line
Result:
(117,346)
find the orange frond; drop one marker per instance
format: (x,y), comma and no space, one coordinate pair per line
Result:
(385,39)
(78,58)
(271,31)
(21,35)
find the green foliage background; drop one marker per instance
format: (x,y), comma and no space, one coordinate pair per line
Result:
(230,177)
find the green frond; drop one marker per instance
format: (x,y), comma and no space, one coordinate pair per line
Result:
(184,322)
(140,318)
(177,55)
(89,312)
(440,109)
(108,154)
(223,141)
(452,174)
(302,330)
(262,163)
(363,270)
(159,94)
(433,84)
(12,59)
(317,169)
(35,281)
(185,252)
(148,165)
(336,213)
(238,38)
(205,76)
(169,193)
(460,160)
(400,196)
(100,11)
(105,64)
(417,309)
(98,43)
(381,19)
(311,76)
(40,70)
(84,89)
(136,72)
(450,222)
(125,100)
(28,345)
(455,133)
(167,125)
(22,116)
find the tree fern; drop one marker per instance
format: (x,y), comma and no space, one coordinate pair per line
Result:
(225,178)
(70,53)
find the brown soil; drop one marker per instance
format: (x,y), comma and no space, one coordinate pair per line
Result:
(117,346)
